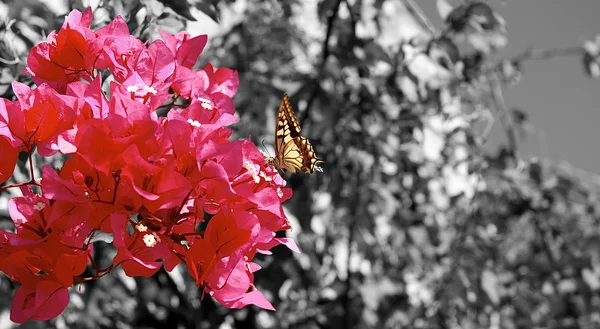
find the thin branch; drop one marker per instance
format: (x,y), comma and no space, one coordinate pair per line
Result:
(416,11)
(505,115)
(545,244)
(534,54)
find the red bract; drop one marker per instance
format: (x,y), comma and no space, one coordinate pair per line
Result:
(185,48)
(9,156)
(142,252)
(240,291)
(42,300)
(10,112)
(222,80)
(40,258)
(43,114)
(62,59)
(145,179)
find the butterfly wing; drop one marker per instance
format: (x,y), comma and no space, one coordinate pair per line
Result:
(285,109)
(292,151)
(284,141)
(310,160)
(290,158)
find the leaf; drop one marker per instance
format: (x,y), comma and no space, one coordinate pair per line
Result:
(326,8)
(425,69)
(511,72)
(444,8)
(374,292)
(209,8)
(397,25)
(591,278)
(520,117)
(375,52)
(536,172)
(444,52)
(6,78)
(591,59)
(489,284)
(181,7)
(566,286)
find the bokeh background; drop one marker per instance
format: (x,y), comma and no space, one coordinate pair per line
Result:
(459,141)
(562,103)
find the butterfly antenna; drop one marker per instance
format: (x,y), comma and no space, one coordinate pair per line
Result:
(265,147)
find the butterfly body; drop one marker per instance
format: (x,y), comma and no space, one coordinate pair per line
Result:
(292,151)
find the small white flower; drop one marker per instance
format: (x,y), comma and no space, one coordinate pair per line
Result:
(185,243)
(132,89)
(194,123)
(205,103)
(250,167)
(151,90)
(141,227)
(264,175)
(280,192)
(39,206)
(150,240)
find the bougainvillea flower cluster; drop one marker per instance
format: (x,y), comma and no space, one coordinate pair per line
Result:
(170,189)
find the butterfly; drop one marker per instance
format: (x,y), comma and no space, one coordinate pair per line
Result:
(292,151)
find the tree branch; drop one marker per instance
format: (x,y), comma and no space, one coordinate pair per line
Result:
(326,52)
(330,21)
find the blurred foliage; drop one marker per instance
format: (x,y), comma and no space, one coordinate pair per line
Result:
(411,225)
